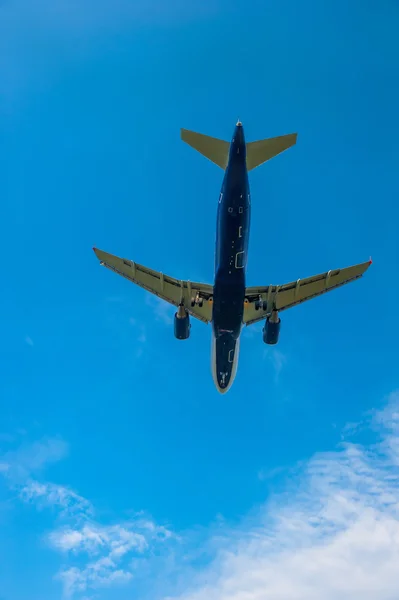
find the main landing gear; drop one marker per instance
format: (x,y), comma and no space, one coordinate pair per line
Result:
(196,300)
(261,304)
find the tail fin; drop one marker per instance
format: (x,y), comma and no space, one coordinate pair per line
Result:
(212,148)
(263,150)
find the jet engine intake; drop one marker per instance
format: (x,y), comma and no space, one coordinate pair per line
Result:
(182,324)
(271,330)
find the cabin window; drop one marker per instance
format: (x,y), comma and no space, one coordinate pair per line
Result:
(230,209)
(240,231)
(240,260)
(231,355)
(241,210)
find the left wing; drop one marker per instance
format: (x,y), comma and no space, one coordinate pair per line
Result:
(197,297)
(261,301)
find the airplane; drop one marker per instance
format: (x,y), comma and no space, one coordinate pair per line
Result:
(228,304)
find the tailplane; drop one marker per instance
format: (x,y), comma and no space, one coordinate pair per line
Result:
(212,148)
(218,150)
(263,150)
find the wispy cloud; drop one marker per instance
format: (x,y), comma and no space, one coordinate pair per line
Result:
(141,336)
(107,547)
(92,538)
(251,331)
(277,359)
(32,458)
(334,532)
(101,573)
(268,474)
(57,496)
(99,554)
(163,310)
(29,341)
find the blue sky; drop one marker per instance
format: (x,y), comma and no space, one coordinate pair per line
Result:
(123,473)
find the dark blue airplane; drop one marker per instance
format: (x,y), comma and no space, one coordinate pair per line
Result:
(229,304)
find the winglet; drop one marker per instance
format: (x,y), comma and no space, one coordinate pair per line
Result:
(370,261)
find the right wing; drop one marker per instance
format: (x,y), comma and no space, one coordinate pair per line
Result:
(281,297)
(169,289)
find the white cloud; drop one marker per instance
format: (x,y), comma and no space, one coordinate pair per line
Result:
(92,538)
(277,359)
(251,331)
(141,336)
(112,544)
(265,474)
(94,575)
(163,310)
(30,459)
(59,496)
(334,533)
(103,552)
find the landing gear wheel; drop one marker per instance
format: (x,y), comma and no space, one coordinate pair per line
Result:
(261,304)
(200,303)
(192,302)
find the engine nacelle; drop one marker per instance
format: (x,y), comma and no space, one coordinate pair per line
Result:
(271,330)
(182,324)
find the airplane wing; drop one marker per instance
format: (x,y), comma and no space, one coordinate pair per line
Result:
(165,287)
(260,301)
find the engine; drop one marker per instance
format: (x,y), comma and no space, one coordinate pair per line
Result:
(182,324)
(271,330)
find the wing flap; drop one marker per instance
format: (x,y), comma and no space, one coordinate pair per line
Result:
(168,288)
(290,294)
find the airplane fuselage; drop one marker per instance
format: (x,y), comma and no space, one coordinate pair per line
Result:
(232,236)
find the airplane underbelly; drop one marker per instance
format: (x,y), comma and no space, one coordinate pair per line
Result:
(228,308)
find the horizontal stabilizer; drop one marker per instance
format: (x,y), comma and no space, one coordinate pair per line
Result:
(212,148)
(263,150)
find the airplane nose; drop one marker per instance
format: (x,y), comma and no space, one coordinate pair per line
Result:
(238,124)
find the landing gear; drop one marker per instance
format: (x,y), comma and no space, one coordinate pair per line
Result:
(261,304)
(197,300)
